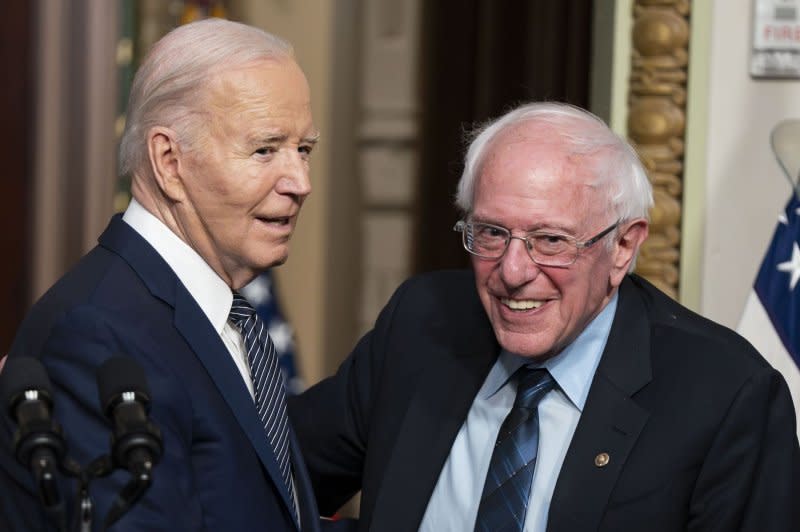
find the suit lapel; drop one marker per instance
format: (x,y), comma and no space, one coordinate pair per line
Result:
(208,347)
(202,338)
(610,423)
(434,416)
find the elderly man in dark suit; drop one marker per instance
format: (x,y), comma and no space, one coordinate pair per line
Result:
(549,388)
(217,143)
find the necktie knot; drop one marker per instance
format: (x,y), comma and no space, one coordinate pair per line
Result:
(241,310)
(532,385)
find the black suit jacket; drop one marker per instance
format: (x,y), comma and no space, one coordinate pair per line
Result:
(700,430)
(218,471)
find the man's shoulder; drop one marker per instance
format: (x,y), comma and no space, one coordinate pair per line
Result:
(96,289)
(98,276)
(442,281)
(443,288)
(441,304)
(683,332)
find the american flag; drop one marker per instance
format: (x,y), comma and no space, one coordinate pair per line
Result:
(262,295)
(771,319)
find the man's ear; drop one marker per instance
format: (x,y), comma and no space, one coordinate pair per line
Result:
(629,239)
(162,147)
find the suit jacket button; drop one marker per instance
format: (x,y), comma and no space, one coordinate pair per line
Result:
(602,459)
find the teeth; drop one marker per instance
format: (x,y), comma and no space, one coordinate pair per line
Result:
(521,304)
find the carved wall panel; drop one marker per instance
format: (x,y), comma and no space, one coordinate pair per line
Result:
(388,131)
(656,127)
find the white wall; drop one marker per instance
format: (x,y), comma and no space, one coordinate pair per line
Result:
(744,187)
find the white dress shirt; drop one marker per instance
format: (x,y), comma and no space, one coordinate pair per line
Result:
(454,503)
(212,294)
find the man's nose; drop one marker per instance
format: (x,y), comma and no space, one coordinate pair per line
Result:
(516,265)
(295,179)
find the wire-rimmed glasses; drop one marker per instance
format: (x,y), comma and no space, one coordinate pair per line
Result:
(490,241)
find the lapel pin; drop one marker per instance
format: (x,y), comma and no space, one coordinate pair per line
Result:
(602,459)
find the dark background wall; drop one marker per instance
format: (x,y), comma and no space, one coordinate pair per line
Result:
(479,59)
(16,150)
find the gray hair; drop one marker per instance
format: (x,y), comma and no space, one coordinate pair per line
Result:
(165,90)
(616,166)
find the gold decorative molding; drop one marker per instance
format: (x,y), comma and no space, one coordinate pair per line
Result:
(656,127)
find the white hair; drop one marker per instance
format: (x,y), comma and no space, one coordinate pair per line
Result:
(615,164)
(167,88)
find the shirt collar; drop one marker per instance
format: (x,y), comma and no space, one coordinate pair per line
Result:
(207,288)
(572,369)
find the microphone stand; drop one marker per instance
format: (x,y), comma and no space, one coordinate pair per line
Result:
(43,467)
(141,478)
(102,466)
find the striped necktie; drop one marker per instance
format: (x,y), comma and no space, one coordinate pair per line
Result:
(507,489)
(268,385)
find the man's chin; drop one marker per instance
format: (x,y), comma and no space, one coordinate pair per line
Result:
(277,256)
(276,260)
(526,345)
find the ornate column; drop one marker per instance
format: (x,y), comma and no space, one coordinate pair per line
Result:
(656,127)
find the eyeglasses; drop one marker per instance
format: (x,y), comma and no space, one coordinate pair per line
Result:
(545,249)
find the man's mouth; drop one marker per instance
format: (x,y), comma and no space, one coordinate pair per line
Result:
(521,304)
(276,220)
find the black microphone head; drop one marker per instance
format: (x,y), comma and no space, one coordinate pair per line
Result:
(119,375)
(21,374)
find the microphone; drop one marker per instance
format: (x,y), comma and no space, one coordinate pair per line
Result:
(136,443)
(125,399)
(38,442)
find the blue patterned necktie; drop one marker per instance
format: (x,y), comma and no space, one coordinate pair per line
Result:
(268,385)
(507,489)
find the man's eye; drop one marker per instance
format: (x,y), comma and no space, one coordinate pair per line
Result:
(550,244)
(551,239)
(487,231)
(305,149)
(266,150)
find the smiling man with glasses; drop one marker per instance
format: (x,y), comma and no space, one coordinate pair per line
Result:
(550,388)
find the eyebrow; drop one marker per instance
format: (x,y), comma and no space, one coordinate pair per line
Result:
(278,138)
(312,139)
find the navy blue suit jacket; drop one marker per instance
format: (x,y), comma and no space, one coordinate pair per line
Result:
(218,471)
